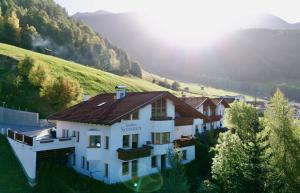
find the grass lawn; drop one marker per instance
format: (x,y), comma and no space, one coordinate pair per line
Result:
(12,178)
(61,179)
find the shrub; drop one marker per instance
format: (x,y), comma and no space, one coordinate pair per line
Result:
(38,75)
(61,92)
(25,65)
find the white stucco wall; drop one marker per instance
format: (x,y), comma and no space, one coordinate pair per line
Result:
(144,127)
(26,157)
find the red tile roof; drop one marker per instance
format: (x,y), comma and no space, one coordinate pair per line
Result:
(105,109)
(195,102)
(217,101)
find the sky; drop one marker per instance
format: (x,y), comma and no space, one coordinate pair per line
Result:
(190,23)
(286,9)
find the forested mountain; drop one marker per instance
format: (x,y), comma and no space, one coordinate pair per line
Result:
(262,55)
(44,26)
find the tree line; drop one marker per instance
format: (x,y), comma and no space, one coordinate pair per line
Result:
(255,155)
(45,27)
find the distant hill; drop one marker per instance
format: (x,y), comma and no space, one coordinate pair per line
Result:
(91,80)
(262,55)
(268,21)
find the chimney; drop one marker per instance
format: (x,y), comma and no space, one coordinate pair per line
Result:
(120,92)
(86,97)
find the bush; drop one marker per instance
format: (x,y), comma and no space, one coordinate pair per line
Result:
(61,92)
(208,187)
(39,75)
(25,65)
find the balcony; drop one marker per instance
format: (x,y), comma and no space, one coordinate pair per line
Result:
(130,154)
(53,143)
(181,121)
(93,153)
(184,142)
(163,118)
(212,118)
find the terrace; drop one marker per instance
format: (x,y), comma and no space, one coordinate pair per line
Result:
(41,140)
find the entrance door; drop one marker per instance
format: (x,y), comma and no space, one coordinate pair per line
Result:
(134,168)
(163,162)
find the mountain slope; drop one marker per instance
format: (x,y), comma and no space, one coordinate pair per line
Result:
(254,61)
(92,81)
(44,26)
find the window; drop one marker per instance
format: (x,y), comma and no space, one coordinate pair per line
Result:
(157,138)
(134,168)
(166,138)
(125,168)
(82,162)
(95,141)
(197,129)
(106,170)
(74,160)
(184,155)
(159,109)
(153,162)
(135,115)
(87,165)
(132,116)
(126,141)
(74,134)
(152,138)
(135,140)
(65,133)
(106,142)
(78,133)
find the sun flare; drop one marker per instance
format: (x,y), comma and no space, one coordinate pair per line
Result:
(189,26)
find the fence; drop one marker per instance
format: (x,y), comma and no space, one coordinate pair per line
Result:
(16,117)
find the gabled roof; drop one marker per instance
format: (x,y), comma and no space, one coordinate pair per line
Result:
(218,101)
(196,102)
(105,109)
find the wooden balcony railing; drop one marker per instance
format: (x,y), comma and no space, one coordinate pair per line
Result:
(184,142)
(212,118)
(130,154)
(164,118)
(180,121)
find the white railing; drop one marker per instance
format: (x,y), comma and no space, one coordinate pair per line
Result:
(55,143)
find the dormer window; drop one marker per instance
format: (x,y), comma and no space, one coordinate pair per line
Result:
(159,109)
(132,116)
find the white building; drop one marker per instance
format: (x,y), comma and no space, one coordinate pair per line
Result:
(115,137)
(213,109)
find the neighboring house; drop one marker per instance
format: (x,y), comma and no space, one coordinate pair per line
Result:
(116,137)
(230,99)
(213,109)
(260,106)
(296,109)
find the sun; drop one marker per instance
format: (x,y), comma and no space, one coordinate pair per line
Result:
(189,26)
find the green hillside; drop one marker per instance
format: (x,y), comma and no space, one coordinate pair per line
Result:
(92,81)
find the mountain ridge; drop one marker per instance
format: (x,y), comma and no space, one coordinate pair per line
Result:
(253,60)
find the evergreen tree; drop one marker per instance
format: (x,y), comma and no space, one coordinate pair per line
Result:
(237,165)
(283,146)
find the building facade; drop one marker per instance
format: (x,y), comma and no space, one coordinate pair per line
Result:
(212,108)
(115,137)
